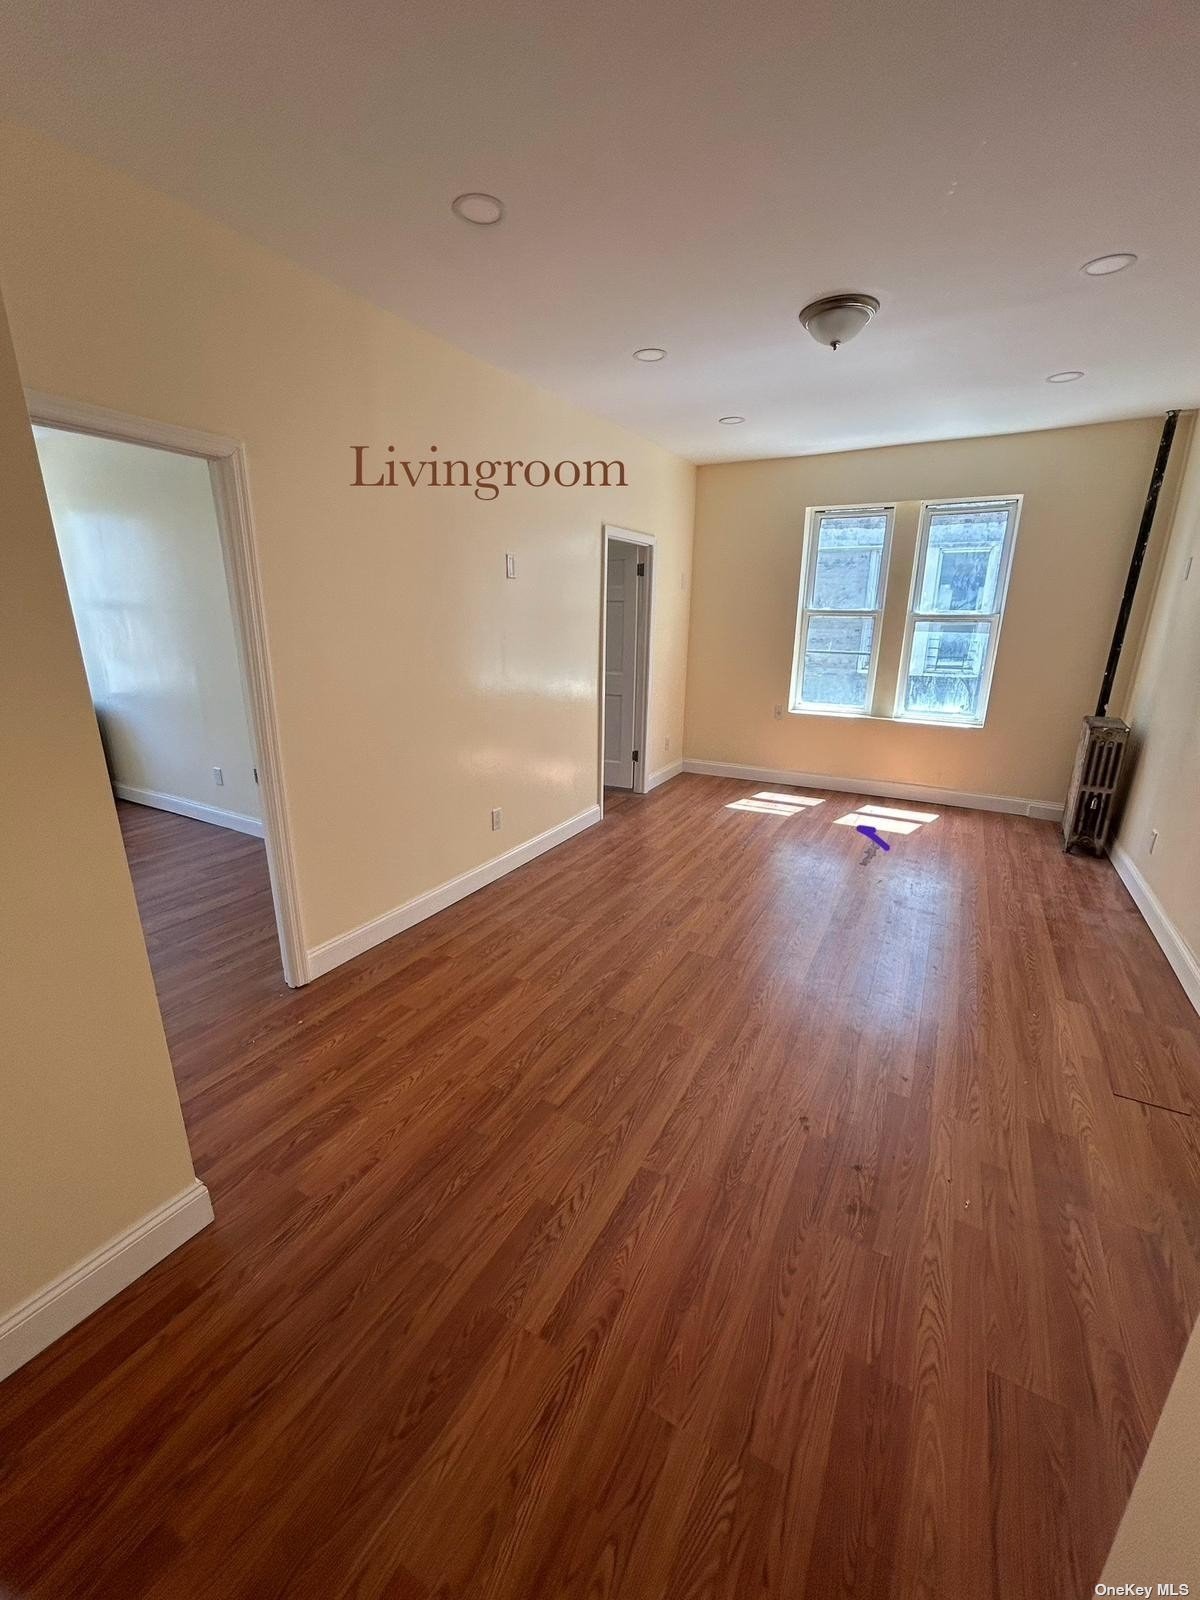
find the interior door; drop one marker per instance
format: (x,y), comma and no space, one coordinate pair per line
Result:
(620,664)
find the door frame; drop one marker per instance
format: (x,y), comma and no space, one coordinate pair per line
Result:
(231,495)
(644,666)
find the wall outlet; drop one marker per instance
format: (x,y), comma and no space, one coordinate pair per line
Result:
(667,744)
(497,819)
(1153,839)
(219,777)
(778,713)
(510,566)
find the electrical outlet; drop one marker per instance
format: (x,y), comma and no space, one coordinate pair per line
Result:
(667,744)
(497,819)
(778,713)
(219,777)
(1153,839)
(510,566)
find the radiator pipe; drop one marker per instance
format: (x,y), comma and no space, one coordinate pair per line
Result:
(1135,562)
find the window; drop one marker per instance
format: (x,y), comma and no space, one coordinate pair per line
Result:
(964,552)
(841,605)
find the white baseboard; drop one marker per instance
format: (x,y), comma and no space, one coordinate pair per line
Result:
(663,775)
(61,1305)
(1043,810)
(1174,946)
(348,945)
(189,808)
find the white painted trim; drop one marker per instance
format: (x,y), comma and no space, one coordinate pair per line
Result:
(79,416)
(805,610)
(63,1304)
(1042,810)
(231,491)
(237,820)
(641,716)
(663,775)
(996,617)
(348,945)
(1174,946)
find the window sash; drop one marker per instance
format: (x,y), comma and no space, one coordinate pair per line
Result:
(806,611)
(1011,506)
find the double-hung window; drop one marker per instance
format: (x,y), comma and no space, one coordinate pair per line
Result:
(841,607)
(964,555)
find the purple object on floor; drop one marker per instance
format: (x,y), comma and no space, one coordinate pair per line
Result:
(869,833)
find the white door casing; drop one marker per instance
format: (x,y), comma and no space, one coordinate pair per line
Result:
(622,599)
(227,468)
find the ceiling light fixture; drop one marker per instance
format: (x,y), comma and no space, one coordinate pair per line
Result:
(838,317)
(1064,377)
(1104,266)
(730,421)
(649,352)
(481,209)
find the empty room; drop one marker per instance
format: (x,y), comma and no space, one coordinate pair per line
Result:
(601,759)
(139,535)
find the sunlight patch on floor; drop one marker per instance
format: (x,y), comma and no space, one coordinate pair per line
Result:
(775,804)
(858,819)
(789,799)
(902,816)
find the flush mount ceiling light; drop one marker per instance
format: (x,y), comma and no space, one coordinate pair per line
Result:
(481,209)
(838,317)
(649,352)
(1063,377)
(1102,266)
(730,421)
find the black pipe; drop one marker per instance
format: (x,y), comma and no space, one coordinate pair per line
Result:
(1135,562)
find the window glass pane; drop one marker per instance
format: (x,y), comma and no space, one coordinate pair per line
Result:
(849,558)
(962,560)
(837,662)
(945,668)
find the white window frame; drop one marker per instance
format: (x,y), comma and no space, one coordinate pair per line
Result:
(1012,504)
(805,610)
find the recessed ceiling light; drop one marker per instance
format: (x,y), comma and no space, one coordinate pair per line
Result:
(1063,377)
(1103,265)
(482,209)
(730,421)
(649,352)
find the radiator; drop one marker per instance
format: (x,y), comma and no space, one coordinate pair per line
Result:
(1088,815)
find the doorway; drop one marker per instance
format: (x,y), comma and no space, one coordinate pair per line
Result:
(626,611)
(153,527)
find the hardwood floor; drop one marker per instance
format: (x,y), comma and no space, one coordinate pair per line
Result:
(715,1207)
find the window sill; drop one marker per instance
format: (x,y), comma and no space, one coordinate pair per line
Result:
(871,716)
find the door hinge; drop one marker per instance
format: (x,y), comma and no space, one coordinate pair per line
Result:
(641,569)
(256,774)
(635,755)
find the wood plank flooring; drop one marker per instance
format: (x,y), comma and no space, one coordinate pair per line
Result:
(702,1211)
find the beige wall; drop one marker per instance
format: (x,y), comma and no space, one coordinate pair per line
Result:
(91,1137)
(1159,1537)
(141,549)
(1083,489)
(417,688)
(1164,711)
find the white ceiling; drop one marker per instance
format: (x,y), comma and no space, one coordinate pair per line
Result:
(689,175)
